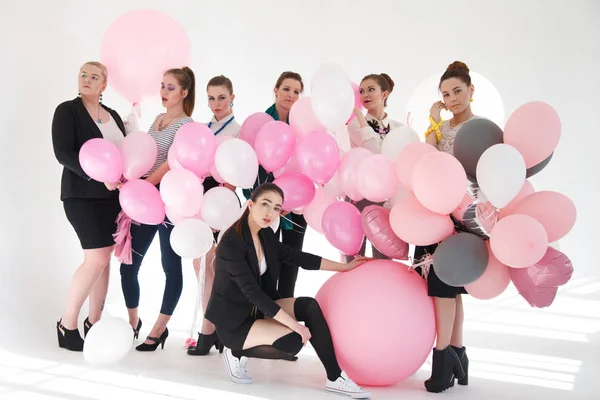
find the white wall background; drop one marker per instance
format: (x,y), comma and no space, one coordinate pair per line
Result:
(545,50)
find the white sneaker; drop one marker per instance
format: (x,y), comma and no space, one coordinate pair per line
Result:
(346,386)
(236,367)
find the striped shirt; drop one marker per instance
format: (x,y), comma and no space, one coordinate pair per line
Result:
(164,139)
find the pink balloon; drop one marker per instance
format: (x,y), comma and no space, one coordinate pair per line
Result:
(303,119)
(395,314)
(519,241)
(533,129)
(174,216)
(417,225)
(172,159)
(408,158)
(274,145)
(101,160)
(348,171)
(376,224)
(555,211)
(291,166)
(343,228)
(252,125)
(138,47)
(313,212)
(141,201)
(139,152)
(493,282)
(213,169)
(376,178)
(182,192)
(297,188)
(318,156)
(526,190)
(195,147)
(357,101)
(439,182)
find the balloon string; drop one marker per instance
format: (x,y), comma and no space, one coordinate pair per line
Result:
(287,219)
(424,262)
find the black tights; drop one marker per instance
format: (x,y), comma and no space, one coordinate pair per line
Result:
(308,311)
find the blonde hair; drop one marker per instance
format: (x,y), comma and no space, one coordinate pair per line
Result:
(99,65)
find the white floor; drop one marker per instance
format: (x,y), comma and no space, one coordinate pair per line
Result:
(516,352)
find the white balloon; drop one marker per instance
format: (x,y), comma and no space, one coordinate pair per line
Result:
(501,174)
(325,72)
(108,341)
(191,238)
(220,208)
(332,96)
(397,139)
(333,187)
(237,163)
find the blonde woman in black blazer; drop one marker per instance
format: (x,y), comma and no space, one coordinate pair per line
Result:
(90,206)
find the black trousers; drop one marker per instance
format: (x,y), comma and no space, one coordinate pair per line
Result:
(295,239)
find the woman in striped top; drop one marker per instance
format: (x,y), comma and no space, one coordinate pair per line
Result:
(178,96)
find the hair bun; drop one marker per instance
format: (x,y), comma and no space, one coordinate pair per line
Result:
(458,65)
(389,81)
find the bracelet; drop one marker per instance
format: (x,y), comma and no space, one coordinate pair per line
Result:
(434,128)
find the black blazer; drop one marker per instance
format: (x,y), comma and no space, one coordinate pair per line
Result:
(237,285)
(72,126)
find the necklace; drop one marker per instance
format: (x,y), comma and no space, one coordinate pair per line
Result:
(98,118)
(162,125)
(223,127)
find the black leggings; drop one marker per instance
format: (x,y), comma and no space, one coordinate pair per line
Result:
(294,238)
(307,310)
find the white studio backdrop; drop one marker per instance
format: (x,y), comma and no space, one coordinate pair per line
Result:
(546,50)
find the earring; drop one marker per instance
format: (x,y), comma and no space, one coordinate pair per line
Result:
(471,99)
(231,105)
(78,94)
(100,97)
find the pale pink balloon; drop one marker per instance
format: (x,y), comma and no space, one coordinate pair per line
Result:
(182,192)
(376,178)
(252,125)
(534,130)
(101,160)
(333,187)
(460,211)
(555,211)
(318,156)
(347,171)
(291,166)
(213,169)
(298,189)
(519,241)
(343,228)
(408,158)
(313,212)
(417,225)
(526,190)
(195,147)
(303,119)
(141,201)
(275,144)
(172,159)
(138,47)
(174,216)
(439,182)
(493,282)
(357,100)
(139,152)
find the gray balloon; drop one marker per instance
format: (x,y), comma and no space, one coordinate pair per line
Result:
(461,259)
(538,167)
(472,140)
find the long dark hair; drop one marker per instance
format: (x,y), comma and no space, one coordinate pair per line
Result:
(384,81)
(259,191)
(187,80)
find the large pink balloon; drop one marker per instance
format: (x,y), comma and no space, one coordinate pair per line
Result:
(291,166)
(439,182)
(343,228)
(318,156)
(303,119)
(141,201)
(555,211)
(493,282)
(195,147)
(139,152)
(313,212)
(519,241)
(172,159)
(139,47)
(297,188)
(533,129)
(182,192)
(408,158)
(526,190)
(101,160)
(376,178)
(376,224)
(395,314)
(275,143)
(347,171)
(252,125)
(417,225)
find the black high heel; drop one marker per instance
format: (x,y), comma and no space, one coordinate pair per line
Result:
(157,341)
(136,331)
(219,346)
(87,325)
(70,339)
(204,344)
(464,362)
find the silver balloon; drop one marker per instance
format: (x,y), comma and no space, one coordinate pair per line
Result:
(480,216)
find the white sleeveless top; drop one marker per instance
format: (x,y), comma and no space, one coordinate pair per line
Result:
(111,132)
(263,266)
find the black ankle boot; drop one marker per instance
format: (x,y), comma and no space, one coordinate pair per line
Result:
(464,362)
(87,325)
(69,339)
(446,366)
(204,344)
